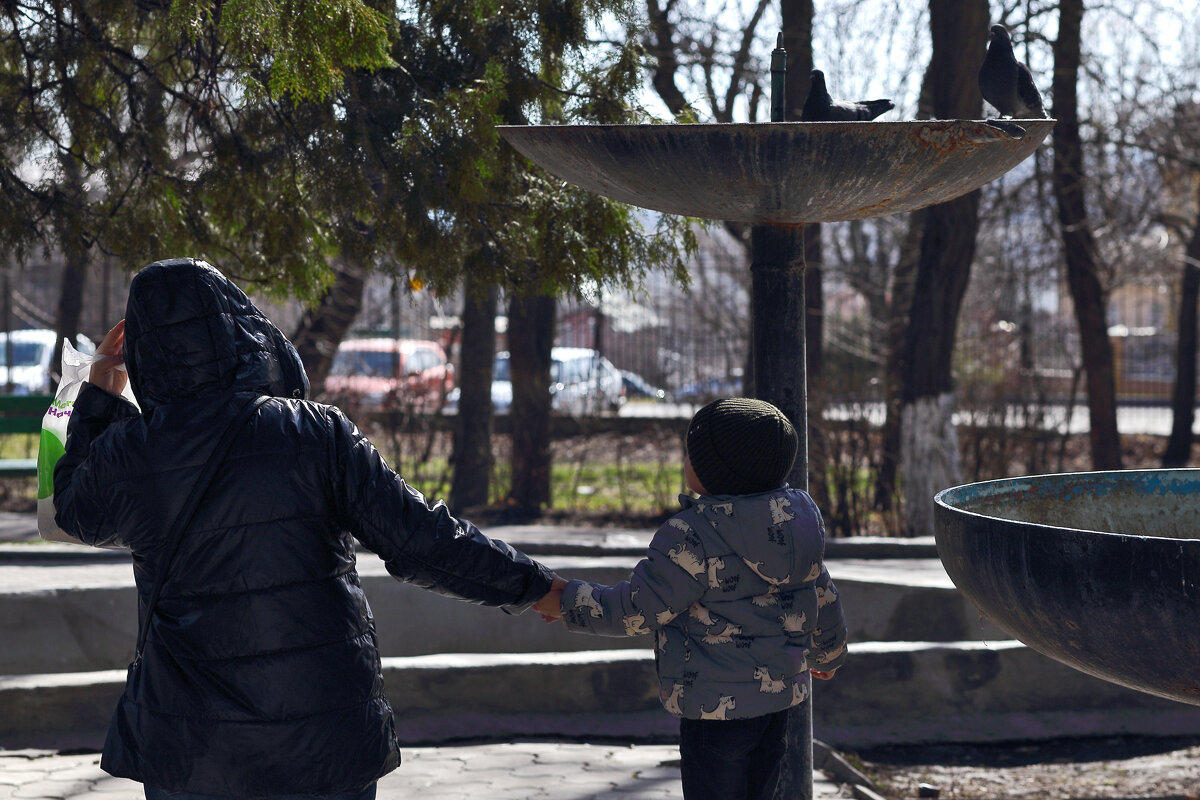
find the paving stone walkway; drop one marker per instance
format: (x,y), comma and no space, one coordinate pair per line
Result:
(520,771)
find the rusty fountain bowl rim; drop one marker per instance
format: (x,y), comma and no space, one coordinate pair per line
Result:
(943,500)
(1116,605)
(780,172)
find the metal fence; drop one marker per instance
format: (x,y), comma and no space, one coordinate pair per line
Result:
(693,344)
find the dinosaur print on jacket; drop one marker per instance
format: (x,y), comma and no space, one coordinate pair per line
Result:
(748,573)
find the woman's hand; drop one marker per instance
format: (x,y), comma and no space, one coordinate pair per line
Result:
(109,372)
(550,606)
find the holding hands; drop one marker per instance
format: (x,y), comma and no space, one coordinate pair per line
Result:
(550,606)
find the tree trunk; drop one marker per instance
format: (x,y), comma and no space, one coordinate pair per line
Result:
(661,47)
(75,254)
(959,30)
(1183,398)
(530,339)
(902,298)
(70,305)
(473,430)
(814,359)
(323,326)
(1079,248)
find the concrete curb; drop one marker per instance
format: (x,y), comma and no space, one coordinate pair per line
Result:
(39,553)
(926,692)
(830,761)
(87,613)
(534,540)
(437,699)
(910,692)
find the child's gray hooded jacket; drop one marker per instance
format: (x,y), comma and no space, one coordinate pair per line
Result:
(737,590)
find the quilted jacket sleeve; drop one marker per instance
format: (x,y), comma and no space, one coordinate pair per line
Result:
(660,588)
(80,501)
(422,543)
(827,651)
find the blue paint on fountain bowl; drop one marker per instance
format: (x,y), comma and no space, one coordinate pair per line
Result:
(1098,570)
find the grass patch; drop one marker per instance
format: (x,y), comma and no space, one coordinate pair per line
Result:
(590,487)
(593,487)
(596,475)
(19,445)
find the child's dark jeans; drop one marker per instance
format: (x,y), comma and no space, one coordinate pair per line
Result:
(735,759)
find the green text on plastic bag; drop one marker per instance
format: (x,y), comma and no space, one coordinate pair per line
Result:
(50,450)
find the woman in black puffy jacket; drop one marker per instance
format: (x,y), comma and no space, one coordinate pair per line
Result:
(259,675)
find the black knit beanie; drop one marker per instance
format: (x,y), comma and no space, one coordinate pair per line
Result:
(741,446)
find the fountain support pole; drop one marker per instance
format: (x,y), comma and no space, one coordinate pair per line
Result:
(778,176)
(777,353)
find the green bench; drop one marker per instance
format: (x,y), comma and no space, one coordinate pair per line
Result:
(21,414)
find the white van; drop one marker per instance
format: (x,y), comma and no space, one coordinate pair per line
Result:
(31,353)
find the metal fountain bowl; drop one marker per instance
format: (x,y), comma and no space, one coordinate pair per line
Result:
(1098,570)
(780,172)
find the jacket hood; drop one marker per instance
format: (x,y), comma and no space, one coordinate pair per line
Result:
(190,331)
(740,520)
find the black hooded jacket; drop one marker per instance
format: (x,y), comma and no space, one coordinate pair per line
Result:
(260,674)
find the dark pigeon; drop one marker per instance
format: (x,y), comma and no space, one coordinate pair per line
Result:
(820,107)
(1007,83)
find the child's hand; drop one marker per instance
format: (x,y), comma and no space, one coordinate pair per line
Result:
(824,676)
(550,606)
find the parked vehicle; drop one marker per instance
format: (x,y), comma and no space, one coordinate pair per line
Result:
(582,382)
(708,389)
(372,373)
(32,350)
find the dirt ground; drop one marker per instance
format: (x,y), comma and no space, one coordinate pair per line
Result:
(1065,769)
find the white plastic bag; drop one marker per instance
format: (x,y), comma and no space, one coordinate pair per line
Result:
(76,367)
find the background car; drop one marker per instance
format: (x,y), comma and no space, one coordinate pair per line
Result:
(32,350)
(708,389)
(582,382)
(373,372)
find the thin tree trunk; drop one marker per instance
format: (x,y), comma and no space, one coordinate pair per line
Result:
(75,253)
(530,339)
(814,357)
(902,297)
(1183,397)
(661,47)
(322,327)
(472,454)
(929,444)
(1079,248)
(70,306)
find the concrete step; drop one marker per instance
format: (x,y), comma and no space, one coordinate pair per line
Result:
(888,692)
(86,613)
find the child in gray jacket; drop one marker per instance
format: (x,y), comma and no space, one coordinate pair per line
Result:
(735,589)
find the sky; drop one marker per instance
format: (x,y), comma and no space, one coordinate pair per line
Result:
(879,48)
